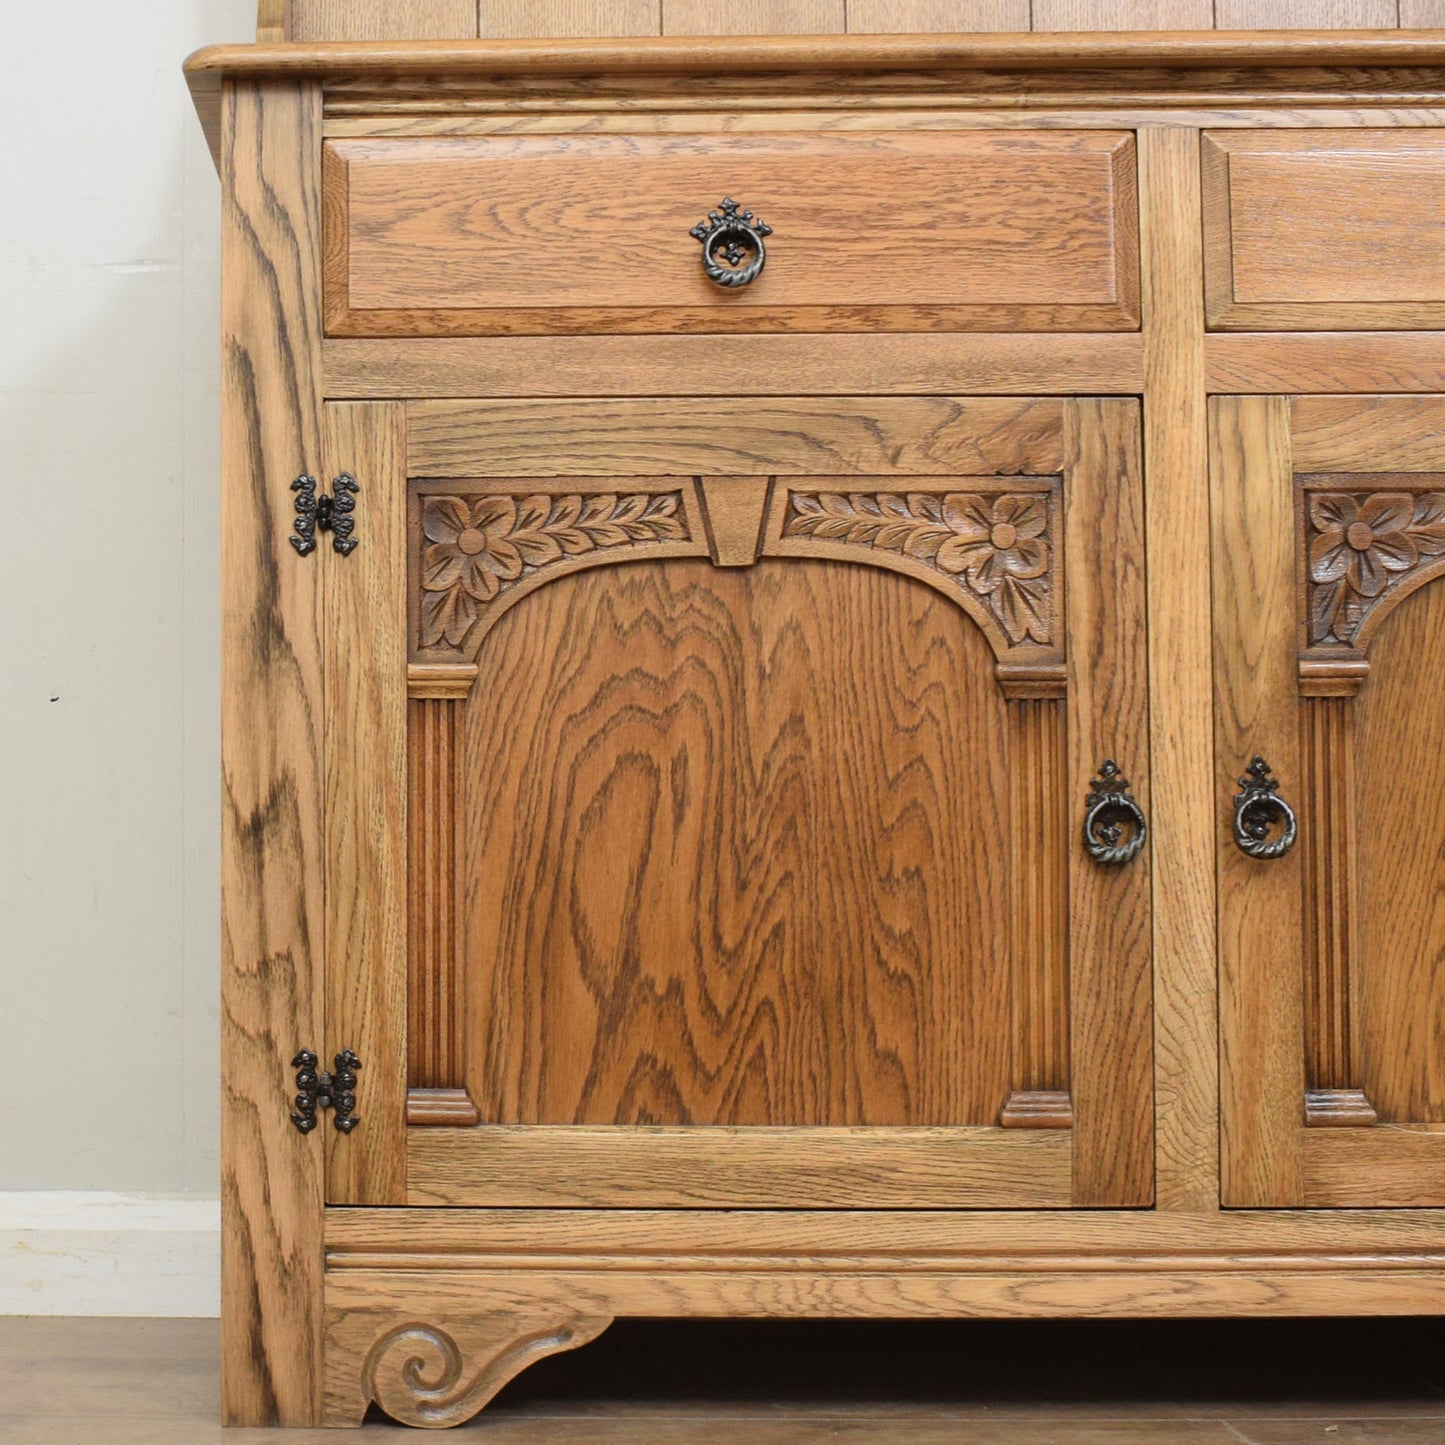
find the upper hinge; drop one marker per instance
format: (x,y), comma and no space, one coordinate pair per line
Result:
(325,514)
(320,1090)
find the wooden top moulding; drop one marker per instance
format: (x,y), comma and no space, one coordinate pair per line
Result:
(1138,68)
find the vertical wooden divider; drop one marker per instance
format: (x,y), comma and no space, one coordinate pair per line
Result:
(1256,711)
(272,732)
(1182,782)
(366,799)
(1110,975)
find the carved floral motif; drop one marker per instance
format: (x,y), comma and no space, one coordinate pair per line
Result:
(1362,545)
(995,545)
(476,547)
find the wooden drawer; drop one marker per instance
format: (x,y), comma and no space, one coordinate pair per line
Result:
(962,230)
(1324,229)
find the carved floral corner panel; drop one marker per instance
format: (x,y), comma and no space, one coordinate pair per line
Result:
(1369,540)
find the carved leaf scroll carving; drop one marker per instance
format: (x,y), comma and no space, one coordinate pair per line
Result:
(996,546)
(1362,547)
(477,547)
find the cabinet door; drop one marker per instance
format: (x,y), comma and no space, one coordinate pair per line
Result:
(1329,540)
(708,797)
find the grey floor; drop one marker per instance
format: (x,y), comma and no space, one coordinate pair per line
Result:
(153,1382)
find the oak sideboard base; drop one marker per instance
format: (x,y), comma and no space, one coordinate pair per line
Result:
(428,1313)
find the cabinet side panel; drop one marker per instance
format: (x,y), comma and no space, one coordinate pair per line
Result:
(1257,711)
(271,731)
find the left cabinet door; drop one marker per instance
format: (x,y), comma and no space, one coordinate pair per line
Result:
(706,796)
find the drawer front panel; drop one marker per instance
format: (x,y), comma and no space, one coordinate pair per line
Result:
(946,231)
(1324,229)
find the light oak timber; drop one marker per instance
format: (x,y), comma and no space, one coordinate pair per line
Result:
(272,733)
(522,19)
(669,1167)
(1306,14)
(366,799)
(412,250)
(916,363)
(1367,434)
(440,679)
(917,1239)
(786,436)
(1180,650)
(313,20)
(1110,975)
(1261,942)
(650,115)
(1122,15)
(753,17)
(1325,229)
(1332,361)
(270,21)
(911,17)
(1390,1165)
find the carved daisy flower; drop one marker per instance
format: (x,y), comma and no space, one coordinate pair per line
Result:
(468,544)
(994,538)
(1362,542)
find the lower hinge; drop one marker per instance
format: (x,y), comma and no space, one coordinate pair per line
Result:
(325,514)
(320,1090)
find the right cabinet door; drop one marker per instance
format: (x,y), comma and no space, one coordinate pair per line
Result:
(1329,611)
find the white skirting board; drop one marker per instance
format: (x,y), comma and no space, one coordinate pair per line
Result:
(82,1252)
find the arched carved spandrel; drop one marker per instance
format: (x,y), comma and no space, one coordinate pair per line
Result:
(476,553)
(425,1375)
(993,549)
(1369,541)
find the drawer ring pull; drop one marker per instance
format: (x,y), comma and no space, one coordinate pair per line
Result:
(733,233)
(1258,809)
(1114,825)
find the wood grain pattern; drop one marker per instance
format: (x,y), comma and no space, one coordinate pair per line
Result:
(513,18)
(366,799)
(1122,14)
(753,17)
(382,20)
(658,1167)
(1261,943)
(677,366)
(1110,975)
(272,727)
(1426,14)
(1306,14)
(434,1019)
(681,907)
(1182,782)
(913,17)
(1400,837)
(793,436)
(470,236)
(1329,361)
(1039,894)
(1367,434)
(1357,1286)
(1389,1166)
(916,1241)
(1330,230)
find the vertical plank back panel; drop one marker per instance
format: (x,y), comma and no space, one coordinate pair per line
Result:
(753,17)
(1123,14)
(520,19)
(383,19)
(272,863)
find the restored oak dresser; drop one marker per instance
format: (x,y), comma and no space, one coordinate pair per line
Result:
(833,676)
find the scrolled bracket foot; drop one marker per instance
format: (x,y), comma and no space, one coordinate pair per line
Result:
(433,1377)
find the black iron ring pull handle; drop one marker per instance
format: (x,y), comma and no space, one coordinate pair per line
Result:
(728,236)
(1114,826)
(1258,811)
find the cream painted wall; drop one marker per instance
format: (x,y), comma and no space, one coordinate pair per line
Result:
(109,801)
